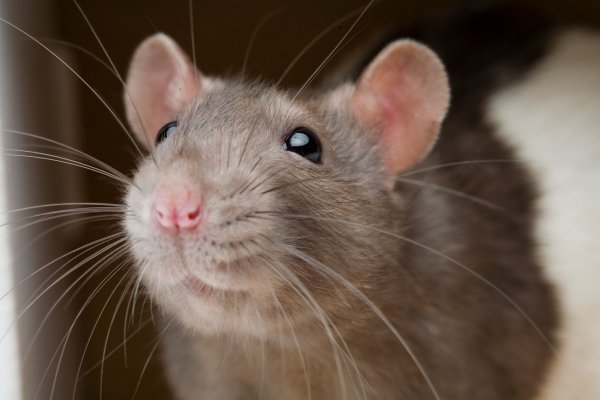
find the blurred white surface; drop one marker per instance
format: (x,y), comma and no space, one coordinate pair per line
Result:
(9,361)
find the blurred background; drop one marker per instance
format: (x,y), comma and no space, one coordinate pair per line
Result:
(72,318)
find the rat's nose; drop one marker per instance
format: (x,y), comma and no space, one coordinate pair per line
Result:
(174,211)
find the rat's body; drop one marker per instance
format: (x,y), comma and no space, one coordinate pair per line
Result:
(429,269)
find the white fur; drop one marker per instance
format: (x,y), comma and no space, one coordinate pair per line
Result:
(553,120)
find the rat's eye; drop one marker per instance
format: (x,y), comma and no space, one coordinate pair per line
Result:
(304,143)
(166,131)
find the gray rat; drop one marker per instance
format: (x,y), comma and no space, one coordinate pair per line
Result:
(333,244)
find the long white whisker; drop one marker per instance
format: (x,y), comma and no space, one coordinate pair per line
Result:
(70,330)
(304,293)
(105,259)
(137,388)
(119,77)
(46,232)
(83,50)
(453,261)
(112,320)
(98,162)
(61,160)
(301,355)
(136,291)
(116,349)
(323,269)
(64,341)
(254,35)
(69,272)
(340,42)
(306,48)
(91,276)
(110,216)
(192,35)
(131,288)
(110,110)
(62,213)
(79,204)
(96,291)
(457,193)
(456,164)
(80,248)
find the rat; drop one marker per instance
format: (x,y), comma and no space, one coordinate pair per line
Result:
(383,238)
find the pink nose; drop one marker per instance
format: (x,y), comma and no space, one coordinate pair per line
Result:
(174,214)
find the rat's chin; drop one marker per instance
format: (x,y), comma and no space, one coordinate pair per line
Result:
(210,310)
(210,299)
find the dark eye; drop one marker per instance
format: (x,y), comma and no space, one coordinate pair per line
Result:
(166,131)
(304,143)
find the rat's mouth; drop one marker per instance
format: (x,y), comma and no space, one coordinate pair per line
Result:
(207,291)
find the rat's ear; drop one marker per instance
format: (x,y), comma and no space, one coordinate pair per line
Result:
(403,95)
(160,82)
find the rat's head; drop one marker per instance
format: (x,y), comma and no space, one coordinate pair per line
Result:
(256,207)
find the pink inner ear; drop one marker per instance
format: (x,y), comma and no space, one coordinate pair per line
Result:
(161,81)
(404,96)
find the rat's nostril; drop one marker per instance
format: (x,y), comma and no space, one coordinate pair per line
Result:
(194,214)
(175,215)
(188,215)
(177,205)
(163,214)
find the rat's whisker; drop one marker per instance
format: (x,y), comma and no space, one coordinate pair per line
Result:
(287,276)
(78,253)
(117,248)
(161,333)
(88,301)
(80,249)
(108,216)
(139,329)
(254,35)
(61,160)
(91,205)
(330,55)
(285,316)
(117,243)
(455,164)
(310,44)
(133,297)
(243,185)
(104,103)
(38,217)
(118,75)
(126,261)
(98,265)
(81,49)
(112,320)
(91,333)
(78,152)
(458,193)
(330,327)
(192,34)
(323,269)
(451,260)
(305,180)
(247,188)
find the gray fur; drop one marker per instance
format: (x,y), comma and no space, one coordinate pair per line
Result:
(266,205)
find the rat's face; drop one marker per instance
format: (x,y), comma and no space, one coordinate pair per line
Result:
(258,212)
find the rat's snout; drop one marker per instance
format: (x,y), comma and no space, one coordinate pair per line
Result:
(177,206)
